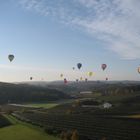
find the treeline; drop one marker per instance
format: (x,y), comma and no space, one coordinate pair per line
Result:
(3,121)
(97,86)
(119,89)
(20,93)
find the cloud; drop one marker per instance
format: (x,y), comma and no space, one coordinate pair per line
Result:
(114,22)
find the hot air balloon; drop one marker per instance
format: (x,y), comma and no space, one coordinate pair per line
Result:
(11,57)
(31,78)
(86,79)
(77,80)
(73,68)
(90,73)
(104,66)
(65,81)
(138,69)
(61,75)
(106,79)
(81,78)
(79,65)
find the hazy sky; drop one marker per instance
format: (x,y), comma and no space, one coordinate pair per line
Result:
(49,37)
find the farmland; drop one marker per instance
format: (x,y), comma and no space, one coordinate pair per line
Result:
(22,131)
(91,126)
(85,113)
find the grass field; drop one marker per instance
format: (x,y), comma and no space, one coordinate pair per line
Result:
(23,131)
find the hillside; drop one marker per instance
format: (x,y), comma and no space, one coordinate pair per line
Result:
(21,93)
(94,86)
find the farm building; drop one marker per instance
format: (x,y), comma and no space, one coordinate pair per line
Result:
(107,105)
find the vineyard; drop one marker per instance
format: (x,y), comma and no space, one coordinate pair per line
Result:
(89,126)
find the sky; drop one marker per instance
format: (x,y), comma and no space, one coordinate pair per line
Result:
(49,37)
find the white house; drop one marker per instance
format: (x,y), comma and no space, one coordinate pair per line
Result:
(107,105)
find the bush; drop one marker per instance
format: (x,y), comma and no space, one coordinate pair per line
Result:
(49,129)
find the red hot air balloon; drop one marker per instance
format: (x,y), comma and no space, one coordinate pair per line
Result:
(106,79)
(104,66)
(65,81)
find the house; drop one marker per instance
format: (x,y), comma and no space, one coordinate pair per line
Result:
(107,105)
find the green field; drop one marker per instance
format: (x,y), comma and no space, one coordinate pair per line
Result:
(44,105)
(23,131)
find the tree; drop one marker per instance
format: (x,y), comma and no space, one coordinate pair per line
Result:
(75,135)
(63,135)
(104,138)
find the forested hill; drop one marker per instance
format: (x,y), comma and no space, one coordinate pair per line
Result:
(21,93)
(100,86)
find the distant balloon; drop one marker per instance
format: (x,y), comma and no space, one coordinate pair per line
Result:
(77,80)
(104,66)
(11,57)
(106,79)
(138,69)
(65,81)
(79,65)
(73,68)
(31,78)
(61,75)
(81,78)
(86,79)
(90,73)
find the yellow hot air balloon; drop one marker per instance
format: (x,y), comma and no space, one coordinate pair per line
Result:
(61,75)
(90,73)
(138,69)
(81,78)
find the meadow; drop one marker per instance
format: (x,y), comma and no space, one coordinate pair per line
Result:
(23,131)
